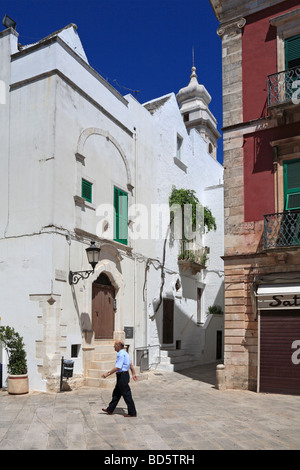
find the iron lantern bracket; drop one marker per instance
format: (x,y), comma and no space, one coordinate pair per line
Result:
(75,276)
(93,254)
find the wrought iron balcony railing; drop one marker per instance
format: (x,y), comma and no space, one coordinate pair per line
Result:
(283,86)
(281,230)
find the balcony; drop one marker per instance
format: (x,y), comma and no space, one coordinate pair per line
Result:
(282,230)
(283,86)
(195,260)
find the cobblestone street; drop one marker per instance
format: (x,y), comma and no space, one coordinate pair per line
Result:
(176,411)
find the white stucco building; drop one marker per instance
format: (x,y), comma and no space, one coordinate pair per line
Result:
(73,152)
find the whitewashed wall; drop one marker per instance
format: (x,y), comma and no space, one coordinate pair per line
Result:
(63,122)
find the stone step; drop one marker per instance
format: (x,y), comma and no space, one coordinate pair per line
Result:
(104,356)
(105,347)
(171,352)
(99,382)
(175,356)
(169,367)
(165,367)
(106,365)
(97,373)
(176,359)
(104,360)
(95,378)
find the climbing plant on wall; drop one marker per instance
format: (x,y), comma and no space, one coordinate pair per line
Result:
(182,197)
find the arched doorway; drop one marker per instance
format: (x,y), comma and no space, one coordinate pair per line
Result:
(103,314)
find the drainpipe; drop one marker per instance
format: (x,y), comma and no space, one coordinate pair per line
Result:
(134,243)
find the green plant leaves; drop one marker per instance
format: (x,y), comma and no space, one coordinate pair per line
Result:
(14,346)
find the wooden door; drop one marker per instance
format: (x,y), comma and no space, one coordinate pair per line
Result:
(168,321)
(103,314)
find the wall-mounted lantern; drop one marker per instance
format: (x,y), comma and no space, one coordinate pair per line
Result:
(93,255)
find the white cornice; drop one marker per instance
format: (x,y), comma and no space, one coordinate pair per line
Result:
(286,17)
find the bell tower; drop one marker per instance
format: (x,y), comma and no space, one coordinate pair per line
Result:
(193,101)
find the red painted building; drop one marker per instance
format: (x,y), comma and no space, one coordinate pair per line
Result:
(261,135)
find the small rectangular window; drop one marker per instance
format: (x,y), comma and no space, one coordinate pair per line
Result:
(121,216)
(293,201)
(291,172)
(86,190)
(75,348)
(292,52)
(179,145)
(199,301)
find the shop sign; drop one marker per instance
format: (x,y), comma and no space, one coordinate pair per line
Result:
(279,301)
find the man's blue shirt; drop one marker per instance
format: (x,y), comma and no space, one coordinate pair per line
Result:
(123,361)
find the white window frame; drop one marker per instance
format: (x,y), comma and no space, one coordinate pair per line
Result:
(287,25)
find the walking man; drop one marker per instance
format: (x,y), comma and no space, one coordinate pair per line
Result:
(122,389)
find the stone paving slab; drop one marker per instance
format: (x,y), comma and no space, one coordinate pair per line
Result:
(176,411)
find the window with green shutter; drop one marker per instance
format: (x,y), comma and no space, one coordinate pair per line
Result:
(292,52)
(86,190)
(291,172)
(121,216)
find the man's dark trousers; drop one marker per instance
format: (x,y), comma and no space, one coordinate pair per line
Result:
(122,389)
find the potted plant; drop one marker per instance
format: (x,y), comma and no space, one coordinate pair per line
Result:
(17,382)
(194,260)
(215,310)
(199,220)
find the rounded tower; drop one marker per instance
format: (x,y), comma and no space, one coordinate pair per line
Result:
(193,101)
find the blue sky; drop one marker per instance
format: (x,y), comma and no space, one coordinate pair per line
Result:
(143,45)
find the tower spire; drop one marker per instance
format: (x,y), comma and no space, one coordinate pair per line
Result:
(193,101)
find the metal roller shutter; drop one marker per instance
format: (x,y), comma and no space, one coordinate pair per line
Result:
(279,369)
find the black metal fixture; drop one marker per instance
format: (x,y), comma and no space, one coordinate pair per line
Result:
(66,370)
(93,255)
(9,22)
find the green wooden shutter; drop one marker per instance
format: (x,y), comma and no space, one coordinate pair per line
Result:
(292,52)
(291,171)
(86,190)
(121,216)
